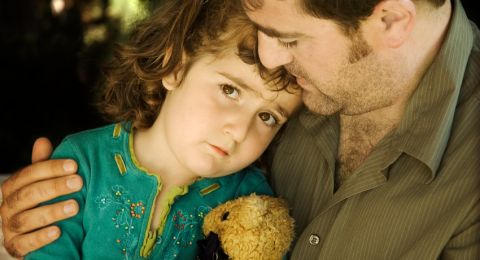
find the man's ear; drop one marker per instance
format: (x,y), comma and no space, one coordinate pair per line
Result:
(396,18)
(172,80)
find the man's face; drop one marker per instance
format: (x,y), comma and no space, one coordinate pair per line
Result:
(338,73)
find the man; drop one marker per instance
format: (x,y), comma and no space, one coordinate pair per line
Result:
(383,164)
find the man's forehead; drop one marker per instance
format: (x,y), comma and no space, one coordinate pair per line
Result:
(252,5)
(274,19)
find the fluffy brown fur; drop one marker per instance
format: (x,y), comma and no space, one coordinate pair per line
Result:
(252,227)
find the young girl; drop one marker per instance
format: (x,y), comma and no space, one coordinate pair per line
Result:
(196,110)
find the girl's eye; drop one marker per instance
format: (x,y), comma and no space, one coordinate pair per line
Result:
(287,45)
(268,119)
(230,91)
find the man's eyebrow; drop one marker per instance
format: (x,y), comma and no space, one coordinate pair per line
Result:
(242,84)
(275,33)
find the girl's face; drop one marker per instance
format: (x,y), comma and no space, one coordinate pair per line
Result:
(220,118)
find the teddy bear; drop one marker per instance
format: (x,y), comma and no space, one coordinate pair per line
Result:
(250,227)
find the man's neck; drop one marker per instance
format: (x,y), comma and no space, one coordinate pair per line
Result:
(360,134)
(425,41)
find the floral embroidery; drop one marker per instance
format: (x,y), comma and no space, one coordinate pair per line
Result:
(127,243)
(118,191)
(103,201)
(187,226)
(202,211)
(125,218)
(137,209)
(128,212)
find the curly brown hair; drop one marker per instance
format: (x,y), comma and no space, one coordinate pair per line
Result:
(133,89)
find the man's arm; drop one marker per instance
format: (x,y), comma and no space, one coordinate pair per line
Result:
(465,243)
(25,227)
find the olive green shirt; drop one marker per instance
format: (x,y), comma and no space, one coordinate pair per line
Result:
(417,194)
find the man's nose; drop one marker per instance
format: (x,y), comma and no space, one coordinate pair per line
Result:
(271,54)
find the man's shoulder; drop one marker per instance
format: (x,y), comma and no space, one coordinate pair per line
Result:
(464,141)
(471,79)
(470,90)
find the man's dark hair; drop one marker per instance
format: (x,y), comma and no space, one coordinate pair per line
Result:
(347,13)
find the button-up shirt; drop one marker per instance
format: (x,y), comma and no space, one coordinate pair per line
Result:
(417,194)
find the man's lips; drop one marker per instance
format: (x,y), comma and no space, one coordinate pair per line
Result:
(301,81)
(219,150)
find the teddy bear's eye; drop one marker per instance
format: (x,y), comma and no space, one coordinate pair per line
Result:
(225,215)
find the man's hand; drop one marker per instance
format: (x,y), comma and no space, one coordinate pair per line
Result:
(25,227)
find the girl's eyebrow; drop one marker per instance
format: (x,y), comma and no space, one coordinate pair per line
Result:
(246,87)
(240,82)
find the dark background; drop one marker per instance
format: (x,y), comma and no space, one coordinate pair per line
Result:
(49,71)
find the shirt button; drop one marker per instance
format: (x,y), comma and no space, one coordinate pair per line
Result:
(314,240)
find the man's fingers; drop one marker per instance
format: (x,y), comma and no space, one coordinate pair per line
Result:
(37,172)
(29,197)
(42,216)
(24,244)
(42,149)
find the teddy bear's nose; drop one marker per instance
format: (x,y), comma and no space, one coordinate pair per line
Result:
(225,215)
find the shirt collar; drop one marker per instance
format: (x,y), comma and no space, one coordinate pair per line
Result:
(425,128)
(324,130)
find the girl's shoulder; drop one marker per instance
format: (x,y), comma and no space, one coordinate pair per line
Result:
(111,131)
(112,136)
(249,180)
(100,136)
(251,172)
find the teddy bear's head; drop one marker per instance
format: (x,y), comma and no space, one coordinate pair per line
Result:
(252,227)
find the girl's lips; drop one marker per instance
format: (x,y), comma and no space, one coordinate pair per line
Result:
(219,150)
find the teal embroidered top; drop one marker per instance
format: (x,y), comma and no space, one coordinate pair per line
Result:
(118,196)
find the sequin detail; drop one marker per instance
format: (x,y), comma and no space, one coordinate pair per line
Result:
(126,218)
(187,229)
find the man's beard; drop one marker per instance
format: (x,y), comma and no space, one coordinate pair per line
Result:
(360,71)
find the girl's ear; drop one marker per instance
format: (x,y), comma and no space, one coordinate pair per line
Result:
(172,80)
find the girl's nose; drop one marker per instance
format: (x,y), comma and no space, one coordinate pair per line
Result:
(238,128)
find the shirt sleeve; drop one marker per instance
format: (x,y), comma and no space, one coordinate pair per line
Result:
(68,245)
(465,244)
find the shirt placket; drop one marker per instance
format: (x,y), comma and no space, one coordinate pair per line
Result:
(330,218)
